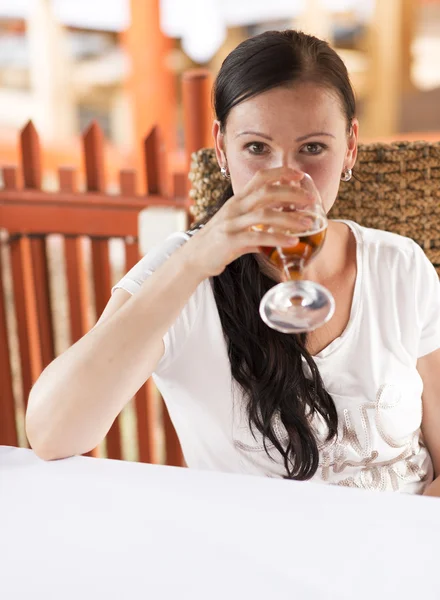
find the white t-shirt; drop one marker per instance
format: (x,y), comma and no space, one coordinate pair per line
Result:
(370,372)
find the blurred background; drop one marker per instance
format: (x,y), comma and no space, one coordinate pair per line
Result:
(65,63)
(102,103)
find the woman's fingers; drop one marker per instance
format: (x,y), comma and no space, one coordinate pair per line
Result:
(253,219)
(270,196)
(267,219)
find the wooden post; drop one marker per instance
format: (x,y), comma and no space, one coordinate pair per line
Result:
(50,74)
(390,50)
(197,111)
(151,84)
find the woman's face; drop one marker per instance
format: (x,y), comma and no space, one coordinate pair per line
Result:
(302,127)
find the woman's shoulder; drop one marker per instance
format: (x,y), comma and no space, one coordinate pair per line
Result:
(152,259)
(380,241)
(387,255)
(168,245)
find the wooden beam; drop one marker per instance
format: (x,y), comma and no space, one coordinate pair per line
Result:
(197,111)
(83,200)
(151,84)
(390,41)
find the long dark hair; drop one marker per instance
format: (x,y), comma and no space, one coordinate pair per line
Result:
(269,366)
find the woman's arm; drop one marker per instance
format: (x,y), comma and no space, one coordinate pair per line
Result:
(429,369)
(78,396)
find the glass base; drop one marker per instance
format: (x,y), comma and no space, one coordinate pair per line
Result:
(297,306)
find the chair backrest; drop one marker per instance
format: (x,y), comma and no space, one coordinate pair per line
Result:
(396,187)
(79,229)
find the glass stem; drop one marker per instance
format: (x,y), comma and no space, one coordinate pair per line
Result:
(293,270)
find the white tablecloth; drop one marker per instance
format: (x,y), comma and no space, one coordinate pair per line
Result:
(87,528)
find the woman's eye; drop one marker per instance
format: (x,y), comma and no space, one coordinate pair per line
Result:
(313,148)
(257,148)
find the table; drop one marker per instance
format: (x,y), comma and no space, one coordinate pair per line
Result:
(93,528)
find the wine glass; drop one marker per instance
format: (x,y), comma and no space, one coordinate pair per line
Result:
(298,305)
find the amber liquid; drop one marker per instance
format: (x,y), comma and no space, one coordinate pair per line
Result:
(294,259)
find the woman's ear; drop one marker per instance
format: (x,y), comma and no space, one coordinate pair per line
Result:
(219,143)
(352,145)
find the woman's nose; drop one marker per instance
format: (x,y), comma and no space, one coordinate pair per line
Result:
(290,163)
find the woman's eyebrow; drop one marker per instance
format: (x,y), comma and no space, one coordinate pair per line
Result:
(314,134)
(299,139)
(263,135)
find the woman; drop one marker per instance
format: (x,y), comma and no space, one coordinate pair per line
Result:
(341,405)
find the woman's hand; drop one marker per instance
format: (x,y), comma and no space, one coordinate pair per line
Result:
(230,233)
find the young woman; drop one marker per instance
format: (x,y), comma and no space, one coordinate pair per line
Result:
(342,404)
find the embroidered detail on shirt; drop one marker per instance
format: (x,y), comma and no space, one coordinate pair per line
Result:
(367,433)
(280,432)
(373,474)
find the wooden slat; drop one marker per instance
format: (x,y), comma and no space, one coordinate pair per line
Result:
(155,164)
(146,423)
(8,425)
(128,183)
(32,175)
(25,304)
(93,144)
(43,299)
(95,181)
(145,405)
(77,286)
(31,157)
(101,273)
(10,178)
(67,180)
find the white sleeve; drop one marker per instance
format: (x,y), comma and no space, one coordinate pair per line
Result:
(427,291)
(175,337)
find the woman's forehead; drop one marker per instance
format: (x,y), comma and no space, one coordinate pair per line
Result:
(295,108)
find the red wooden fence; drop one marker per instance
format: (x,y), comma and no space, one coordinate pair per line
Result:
(29,217)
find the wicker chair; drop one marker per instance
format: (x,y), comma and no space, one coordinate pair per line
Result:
(395,187)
